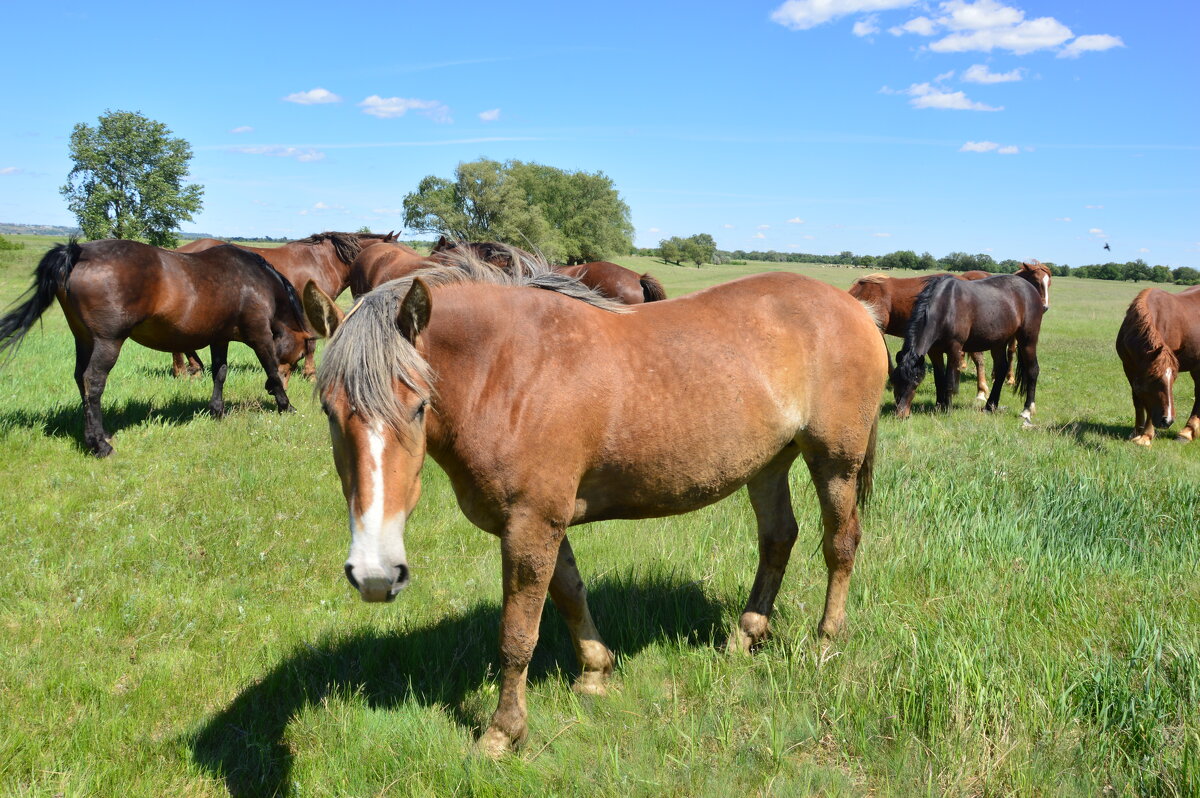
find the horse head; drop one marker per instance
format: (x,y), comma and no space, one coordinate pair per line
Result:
(1037,273)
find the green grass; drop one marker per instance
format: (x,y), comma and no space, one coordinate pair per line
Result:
(1023,619)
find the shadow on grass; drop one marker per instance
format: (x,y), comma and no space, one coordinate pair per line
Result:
(437,666)
(1085,433)
(66,421)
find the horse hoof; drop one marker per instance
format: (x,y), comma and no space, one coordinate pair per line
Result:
(981,397)
(102,449)
(591,683)
(493,744)
(1142,440)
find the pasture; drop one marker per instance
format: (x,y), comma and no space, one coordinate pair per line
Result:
(1024,617)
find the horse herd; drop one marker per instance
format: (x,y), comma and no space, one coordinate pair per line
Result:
(553,397)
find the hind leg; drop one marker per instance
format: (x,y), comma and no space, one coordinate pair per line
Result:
(837,484)
(570,596)
(941,381)
(1011,378)
(310,363)
(1191,430)
(101,357)
(186,362)
(1028,362)
(220,354)
(772,502)
(981,385)
(999,369)
(264,347)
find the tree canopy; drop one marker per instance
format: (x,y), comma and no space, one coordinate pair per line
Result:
(128,179)
(571,216)
(698,249)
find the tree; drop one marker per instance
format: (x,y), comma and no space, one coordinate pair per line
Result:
(587,214)
(699,249)
(669,249)
(127,181)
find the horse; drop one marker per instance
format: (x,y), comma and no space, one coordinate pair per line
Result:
(1158,340)
(113,290)
(638,412)
(324,258)
(894,297)
(610,279)
(951,316)
(374,266)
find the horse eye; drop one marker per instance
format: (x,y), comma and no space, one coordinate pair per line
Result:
(420,412)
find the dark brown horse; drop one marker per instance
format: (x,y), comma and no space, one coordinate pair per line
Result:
(953,316)
(324,258)
(1159,340)
(374,266)
(611,279)
(114,290)
(894,298)
(640,412)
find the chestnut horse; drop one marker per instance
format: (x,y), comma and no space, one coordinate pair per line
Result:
(611,279)
(324,258)
(894,297)
(112,290)
(953,316)
(1160,339)
(374,266)
(640,412)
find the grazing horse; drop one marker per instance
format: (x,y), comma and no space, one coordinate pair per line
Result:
(954,316)
(324,258)
(374,266)
(611,279)
(1159,339)
(113,290)
(894,298)
(638,412)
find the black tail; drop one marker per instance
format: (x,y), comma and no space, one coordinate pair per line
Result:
(1021,377)
(652,289)
(910,361)
(50,275)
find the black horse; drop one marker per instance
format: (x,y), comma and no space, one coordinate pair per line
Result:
(955,316)
(114,290)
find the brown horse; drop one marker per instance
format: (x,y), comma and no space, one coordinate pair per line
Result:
(894,298)
(657,410)
(374,266)
(611,279)
(113,290)
(954,316)
(1160,339)
(324,258)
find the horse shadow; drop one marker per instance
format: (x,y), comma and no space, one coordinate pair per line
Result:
(438,666)
(66,421)
(1085,433)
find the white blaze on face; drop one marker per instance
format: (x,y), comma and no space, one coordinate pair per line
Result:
(376,541)
(1046,285)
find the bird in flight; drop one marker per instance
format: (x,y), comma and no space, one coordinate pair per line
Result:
(1106,246)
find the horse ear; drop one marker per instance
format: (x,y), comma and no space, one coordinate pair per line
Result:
(414,311)
(441,244)
(323,313)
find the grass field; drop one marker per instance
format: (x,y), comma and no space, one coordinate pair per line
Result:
(1024,618)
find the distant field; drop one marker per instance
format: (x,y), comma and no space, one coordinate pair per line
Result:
(1024,618)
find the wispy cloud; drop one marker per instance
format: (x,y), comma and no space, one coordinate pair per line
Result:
(926,95)
(764,227)
(881,235)
(1094,207)
(805,14)
(867,26)
(322,206)
(242,129)
(979,73)
(317,96)
(490,116)
(388,211)
(989,146)
(302,154)
(795,220)
(1090,44)
(392,107)
(12,170)
(1063,219)
(759,235)
(727,226)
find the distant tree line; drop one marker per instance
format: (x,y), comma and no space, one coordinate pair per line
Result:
(697,249)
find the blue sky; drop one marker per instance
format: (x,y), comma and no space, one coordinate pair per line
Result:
(1037,128)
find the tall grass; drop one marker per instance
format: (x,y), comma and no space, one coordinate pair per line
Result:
(1023,617)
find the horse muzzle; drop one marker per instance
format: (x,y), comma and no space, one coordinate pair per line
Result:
(379,587)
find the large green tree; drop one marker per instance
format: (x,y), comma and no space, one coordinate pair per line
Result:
(128,179)
(572,216)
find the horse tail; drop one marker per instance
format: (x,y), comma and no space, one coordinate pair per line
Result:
(866,473)
(1021,377)
(918,339)
(50,275)
(652,289)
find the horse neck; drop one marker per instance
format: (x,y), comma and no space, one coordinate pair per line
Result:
(331,273)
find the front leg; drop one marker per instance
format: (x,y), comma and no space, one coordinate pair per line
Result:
(981,385)
(1191,430)
(529,552)
(570,596)
(1143,427)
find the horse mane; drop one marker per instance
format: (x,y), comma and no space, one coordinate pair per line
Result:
(877,277)
(346,245)
(367,353)
(873,311)
(288,288)
(910,360)
(1139,323)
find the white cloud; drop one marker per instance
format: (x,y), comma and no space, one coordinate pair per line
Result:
(925,95)
(1093,207)
(317,96)
(1063,219)
(881,235)
(1143,249)
(980,15)
(810,237)
(922,26)
(392,107)
(1037,34)
(760,235)
(325,206)
(653,230)
(979,73)
(1096,231)
(805,14)
(978,146)
(242,129)
(795,220)
(1093,43)
(11,170)
(302,154)
(764,227)
(1011,149)
(727,226)
(490,116)
(866,26)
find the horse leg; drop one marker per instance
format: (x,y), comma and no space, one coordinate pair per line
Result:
(1143,427)
(941,381)
(178,364)
(528,554)
(836,483)
(570,596)
(999,369)
(101,357)
(1192,429)
(981,386)
(1011,378)
(772,503)
(264,347)
(195,366)
(310,363)
(954,367)
(1029,362)
(220,354)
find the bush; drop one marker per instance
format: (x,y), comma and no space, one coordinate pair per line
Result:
(5,244)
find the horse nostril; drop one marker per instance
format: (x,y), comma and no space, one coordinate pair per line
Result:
(401,575)
(350,576)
